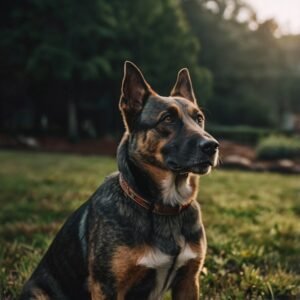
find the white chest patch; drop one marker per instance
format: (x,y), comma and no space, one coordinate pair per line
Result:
(162,263)
(185,255)
(176,193)
(155,259)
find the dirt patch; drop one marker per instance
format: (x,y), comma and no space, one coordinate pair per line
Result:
(102,146)
(228,148)
(243,157)
(232,155)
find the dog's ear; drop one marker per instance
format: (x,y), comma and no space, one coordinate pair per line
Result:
(134,93)
(183,86)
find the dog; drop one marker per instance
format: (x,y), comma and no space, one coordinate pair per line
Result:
(141,233)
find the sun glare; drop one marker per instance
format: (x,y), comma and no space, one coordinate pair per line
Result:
(285,12)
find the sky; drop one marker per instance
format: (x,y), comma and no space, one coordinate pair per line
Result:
(286,13)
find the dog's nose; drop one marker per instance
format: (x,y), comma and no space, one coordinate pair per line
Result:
(209,147)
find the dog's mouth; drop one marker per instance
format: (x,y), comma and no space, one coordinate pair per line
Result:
(201,167)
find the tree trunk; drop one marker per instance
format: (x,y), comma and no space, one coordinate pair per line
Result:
(72,121)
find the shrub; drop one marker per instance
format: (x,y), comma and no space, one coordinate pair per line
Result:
(278,147)
(241,134)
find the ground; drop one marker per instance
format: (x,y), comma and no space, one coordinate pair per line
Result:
(251,220)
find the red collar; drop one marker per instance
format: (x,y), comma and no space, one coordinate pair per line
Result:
(158,209)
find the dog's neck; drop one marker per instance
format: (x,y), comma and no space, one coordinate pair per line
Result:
(178,189)
(153,183)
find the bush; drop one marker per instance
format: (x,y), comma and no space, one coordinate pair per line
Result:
(241,134)
(278,147)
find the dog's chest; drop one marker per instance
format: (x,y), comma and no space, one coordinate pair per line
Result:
(165,266)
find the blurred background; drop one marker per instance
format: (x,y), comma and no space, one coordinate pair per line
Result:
(62,64)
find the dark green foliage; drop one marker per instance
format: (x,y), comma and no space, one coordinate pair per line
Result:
(246,64)
(241,134)
(63,60)
(291,50)
(279,147)
(68,55)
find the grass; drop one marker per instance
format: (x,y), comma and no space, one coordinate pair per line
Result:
(251,220)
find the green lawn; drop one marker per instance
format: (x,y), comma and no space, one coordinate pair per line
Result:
(251,219)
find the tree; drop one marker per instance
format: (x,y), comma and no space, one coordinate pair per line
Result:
(55,47)
(245,63)
(68,55)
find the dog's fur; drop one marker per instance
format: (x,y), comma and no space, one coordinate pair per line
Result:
(112,248)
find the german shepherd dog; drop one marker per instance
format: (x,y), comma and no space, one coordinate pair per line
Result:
(141,233)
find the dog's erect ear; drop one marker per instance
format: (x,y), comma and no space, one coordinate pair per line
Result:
(183,86)
(134,93)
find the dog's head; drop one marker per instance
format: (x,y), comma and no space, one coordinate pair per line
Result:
(166,132)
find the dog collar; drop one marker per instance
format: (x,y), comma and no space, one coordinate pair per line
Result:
(156,208)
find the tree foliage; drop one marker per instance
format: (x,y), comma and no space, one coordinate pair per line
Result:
(247,64)
(63,59)
(74,50)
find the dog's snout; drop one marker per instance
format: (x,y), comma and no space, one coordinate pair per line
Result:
(209,147)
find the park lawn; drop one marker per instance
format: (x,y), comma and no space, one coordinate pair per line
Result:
(251,219)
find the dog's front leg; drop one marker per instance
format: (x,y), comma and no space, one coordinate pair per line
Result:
(186,286)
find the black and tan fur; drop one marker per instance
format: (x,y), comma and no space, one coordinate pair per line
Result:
(112,248)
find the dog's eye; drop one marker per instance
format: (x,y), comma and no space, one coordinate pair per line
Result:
(199,119)
(168,118)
